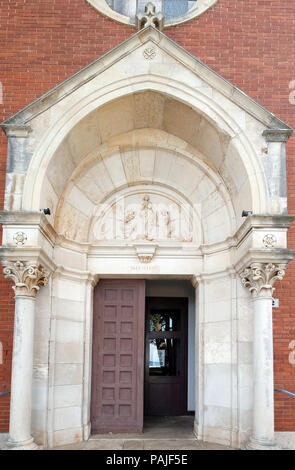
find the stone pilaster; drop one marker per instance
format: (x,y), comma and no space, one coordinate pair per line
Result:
(275,168)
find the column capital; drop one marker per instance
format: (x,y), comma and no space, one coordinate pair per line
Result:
(259,278)
(16,130)
(27,276)
(277,135)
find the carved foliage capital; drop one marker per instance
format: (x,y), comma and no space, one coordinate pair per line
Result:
(28,277)
(259,278)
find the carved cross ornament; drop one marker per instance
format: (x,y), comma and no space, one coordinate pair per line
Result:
(28,278)
(259,278)
(150,18)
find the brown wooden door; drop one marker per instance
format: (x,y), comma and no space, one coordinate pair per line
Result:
(166,356)
(118,356)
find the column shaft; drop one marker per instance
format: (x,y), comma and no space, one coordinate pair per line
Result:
(263,419)
(22,371)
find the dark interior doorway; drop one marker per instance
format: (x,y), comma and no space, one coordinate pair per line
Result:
(166,356)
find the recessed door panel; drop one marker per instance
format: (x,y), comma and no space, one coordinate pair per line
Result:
(118,356)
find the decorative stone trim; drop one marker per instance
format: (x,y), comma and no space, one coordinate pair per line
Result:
(28,278)
(76,275)
(150,18)
(145,253)
(20,238)
(149,53)
(277,135)
(195,280)
(17,130)
(259,278)
(198,9)
(269,240)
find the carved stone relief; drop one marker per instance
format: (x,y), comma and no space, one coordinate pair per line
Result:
(28,277)
(269,241)
(20,238)
(149,53)
(259,278)
(145,218)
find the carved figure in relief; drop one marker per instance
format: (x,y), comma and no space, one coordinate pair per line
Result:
(149,220)
(130,225)
(165,225)
(142,221)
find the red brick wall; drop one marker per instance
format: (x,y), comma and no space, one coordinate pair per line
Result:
(251,43)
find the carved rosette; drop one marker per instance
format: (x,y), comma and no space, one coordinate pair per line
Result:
(28,278)
(149,53)
(259,278)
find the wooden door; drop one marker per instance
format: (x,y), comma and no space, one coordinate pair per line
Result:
(118,356)
(166,356)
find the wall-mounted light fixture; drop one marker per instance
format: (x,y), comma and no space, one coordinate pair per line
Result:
(46,211)
(246,213)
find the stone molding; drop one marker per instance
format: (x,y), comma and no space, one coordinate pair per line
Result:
(259,278)
(195,280)
(145,253)
(27,276)
(263,221)
(21,228)
(76,275)
(277,135)
(17,130)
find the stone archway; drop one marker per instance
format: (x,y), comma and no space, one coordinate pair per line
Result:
(182,148)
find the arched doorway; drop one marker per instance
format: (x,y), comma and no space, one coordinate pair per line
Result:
(146,174)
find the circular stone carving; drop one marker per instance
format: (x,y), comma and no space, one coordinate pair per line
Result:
(269,241)
(149,53)
(20,238)
(198,9)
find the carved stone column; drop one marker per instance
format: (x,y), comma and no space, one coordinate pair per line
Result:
(198,285)
(260,278)
(28,277)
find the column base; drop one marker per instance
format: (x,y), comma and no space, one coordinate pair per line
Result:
(261,444)
(22,445)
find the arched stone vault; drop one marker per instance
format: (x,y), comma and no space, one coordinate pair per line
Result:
(113,145)
(220,148)
(145,157)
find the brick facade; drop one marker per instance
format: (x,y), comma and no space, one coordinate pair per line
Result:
(251,43)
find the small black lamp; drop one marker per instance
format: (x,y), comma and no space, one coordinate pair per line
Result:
(246,213)
(46,211)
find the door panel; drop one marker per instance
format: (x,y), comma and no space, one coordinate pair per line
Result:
(166,356)
(117,358)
